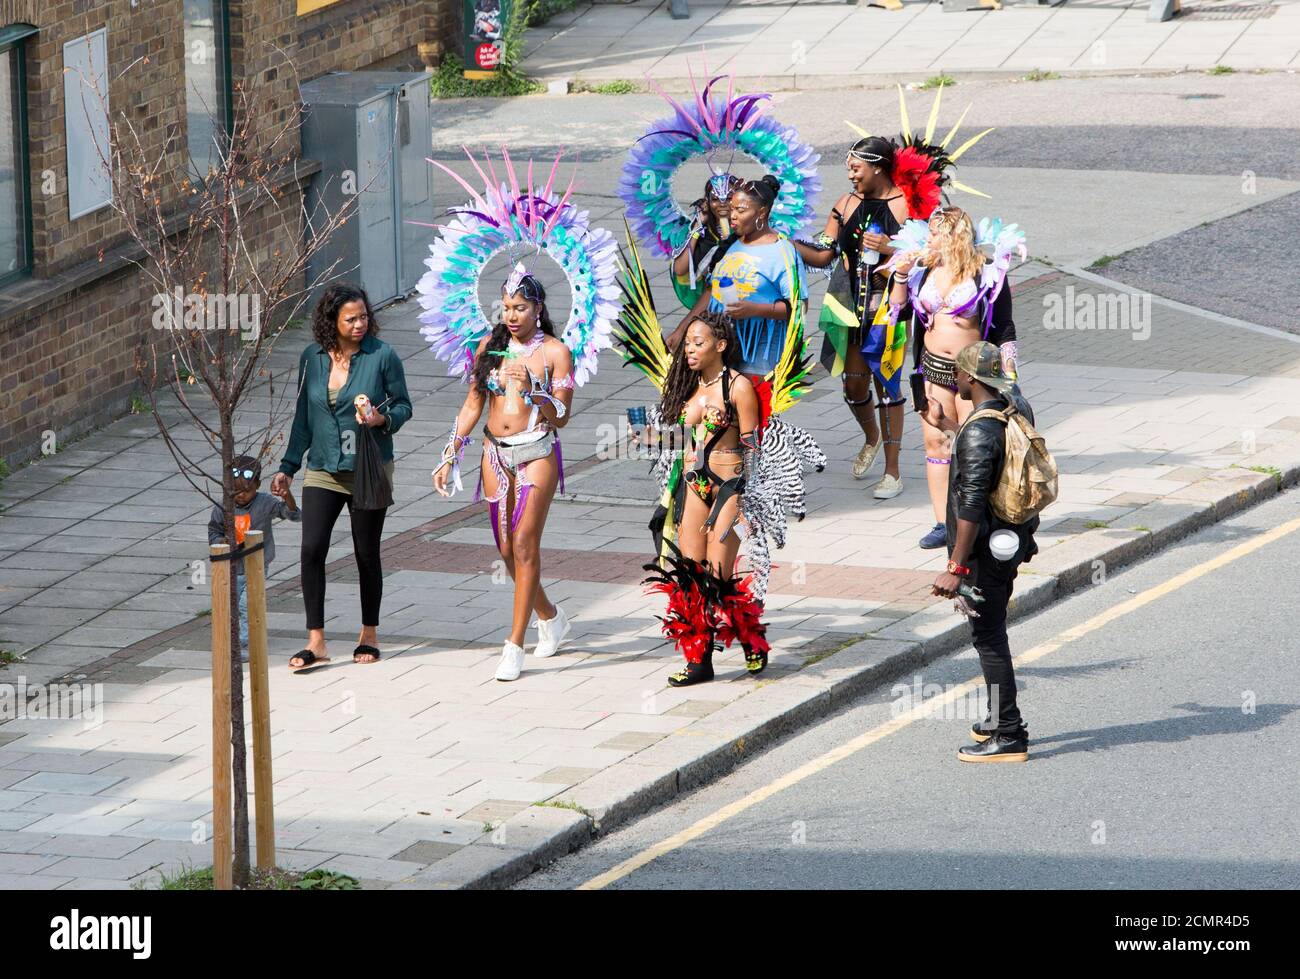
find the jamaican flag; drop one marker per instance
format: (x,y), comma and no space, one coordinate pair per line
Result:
(839,320)
(884,343)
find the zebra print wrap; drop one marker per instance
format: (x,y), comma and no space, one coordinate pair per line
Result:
(773,492)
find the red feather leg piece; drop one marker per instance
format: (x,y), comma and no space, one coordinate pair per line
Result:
(686,620)
(691,615)
(740,619)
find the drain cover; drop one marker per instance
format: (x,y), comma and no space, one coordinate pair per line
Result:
(1228,11)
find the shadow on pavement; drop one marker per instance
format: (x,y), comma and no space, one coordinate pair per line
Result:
(1199,722)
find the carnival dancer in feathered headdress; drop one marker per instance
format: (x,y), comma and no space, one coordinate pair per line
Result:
(729,471)
(891,181)
(710,237)
(716,128)
(953,275)
(520,368)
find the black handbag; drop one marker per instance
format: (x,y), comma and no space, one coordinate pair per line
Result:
(371,489)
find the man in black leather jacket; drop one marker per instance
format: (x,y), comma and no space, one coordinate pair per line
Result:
(977,460)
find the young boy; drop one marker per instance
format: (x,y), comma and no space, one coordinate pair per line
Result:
(253,511)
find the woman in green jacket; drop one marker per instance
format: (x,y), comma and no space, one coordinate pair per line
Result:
(346,360)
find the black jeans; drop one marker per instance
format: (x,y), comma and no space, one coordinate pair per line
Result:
(320,511)
(996,580)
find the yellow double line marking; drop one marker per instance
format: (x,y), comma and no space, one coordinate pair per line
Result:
(823,762)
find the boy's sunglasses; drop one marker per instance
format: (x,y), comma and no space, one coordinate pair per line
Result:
(243,473)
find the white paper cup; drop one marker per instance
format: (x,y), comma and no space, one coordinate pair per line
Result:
(1004,544)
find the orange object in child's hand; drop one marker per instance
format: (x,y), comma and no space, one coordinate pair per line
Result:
(243,521)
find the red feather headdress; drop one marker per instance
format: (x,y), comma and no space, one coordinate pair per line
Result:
(919,177)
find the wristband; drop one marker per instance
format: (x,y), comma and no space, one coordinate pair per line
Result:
(957,569)
(451,455)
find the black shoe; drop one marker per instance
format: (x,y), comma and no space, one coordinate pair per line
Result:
(755,663)
(700,672)
(981,731)
(997,747)
(937,537)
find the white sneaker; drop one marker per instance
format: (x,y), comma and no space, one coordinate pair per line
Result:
(512,662)
(866,456)
(551,632)
(888,487)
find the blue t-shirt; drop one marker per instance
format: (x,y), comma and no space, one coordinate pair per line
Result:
(757,274)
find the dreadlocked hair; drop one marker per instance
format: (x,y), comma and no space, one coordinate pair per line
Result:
(681,381)
(499,339)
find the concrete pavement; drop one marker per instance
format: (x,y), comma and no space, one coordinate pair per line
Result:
(833,44)
(405,773)
(422,770)
(1155,746)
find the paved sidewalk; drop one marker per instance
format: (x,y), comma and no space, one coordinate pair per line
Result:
(815,44)
(424,771)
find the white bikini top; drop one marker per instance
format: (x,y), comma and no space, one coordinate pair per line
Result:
(548,386)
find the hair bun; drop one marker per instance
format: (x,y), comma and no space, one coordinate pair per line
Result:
(773,181)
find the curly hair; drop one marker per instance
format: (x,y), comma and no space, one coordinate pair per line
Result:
(681,381)
(325,317)
(958,251)
(499,340)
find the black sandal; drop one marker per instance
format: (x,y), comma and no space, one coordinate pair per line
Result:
(755,663)
(309,659)
(364,650)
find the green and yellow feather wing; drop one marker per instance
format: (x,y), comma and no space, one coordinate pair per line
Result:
(790,376)
(637,331)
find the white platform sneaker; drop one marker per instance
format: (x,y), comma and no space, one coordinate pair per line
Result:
(551,632)
(512,662)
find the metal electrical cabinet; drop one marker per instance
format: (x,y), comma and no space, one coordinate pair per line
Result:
(371,131)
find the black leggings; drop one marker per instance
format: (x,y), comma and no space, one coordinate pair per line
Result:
(320,511)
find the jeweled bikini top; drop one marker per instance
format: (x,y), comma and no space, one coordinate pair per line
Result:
(958,300)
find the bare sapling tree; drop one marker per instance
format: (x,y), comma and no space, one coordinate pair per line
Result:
(224,260)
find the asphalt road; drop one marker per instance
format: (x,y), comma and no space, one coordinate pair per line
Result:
(1164,747)
(1113,133)
(1187,123)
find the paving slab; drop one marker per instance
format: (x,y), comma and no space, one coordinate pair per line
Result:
(592,736)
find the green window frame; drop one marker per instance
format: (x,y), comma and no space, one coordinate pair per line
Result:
(223,83)
(12,45)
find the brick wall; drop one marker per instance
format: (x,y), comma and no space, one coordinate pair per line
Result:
(69,366)
(69,337)
(151,94)
(373,33)
(67,354)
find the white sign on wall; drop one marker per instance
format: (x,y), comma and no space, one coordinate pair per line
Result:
(85,115)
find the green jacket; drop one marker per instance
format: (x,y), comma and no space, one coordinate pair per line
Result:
(376,371)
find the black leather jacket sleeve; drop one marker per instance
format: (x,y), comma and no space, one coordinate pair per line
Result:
(980,447)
